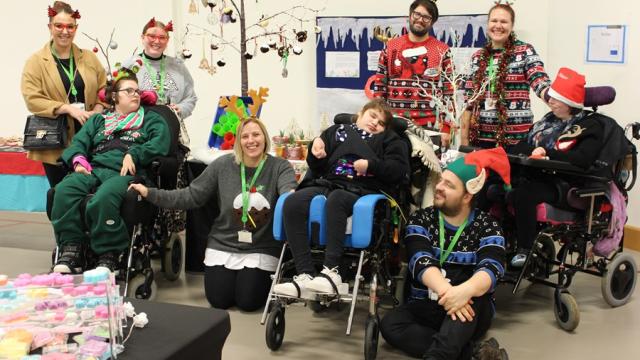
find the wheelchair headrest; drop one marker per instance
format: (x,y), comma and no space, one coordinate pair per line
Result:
(398,125)
(595,96)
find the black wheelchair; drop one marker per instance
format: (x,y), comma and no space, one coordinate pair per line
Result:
(581,221)
(147,229)
(370,250)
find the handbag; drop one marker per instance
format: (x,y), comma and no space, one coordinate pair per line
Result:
(41,133)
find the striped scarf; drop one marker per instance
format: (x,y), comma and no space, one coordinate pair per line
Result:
(114,122)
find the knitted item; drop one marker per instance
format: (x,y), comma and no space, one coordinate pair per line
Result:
(399,77)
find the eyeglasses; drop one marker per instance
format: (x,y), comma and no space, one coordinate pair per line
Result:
(160,38)
(419,16)
(61,27)
(130,91)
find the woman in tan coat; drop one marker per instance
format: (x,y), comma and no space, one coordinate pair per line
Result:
(62,79)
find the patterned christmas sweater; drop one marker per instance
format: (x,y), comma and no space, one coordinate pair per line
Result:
(525,70)
(402,66)
(481,247)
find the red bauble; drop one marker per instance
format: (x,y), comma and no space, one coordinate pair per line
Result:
(95,49)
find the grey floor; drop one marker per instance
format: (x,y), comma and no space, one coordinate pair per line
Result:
(524,325)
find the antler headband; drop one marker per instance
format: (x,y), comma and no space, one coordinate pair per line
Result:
(51,12)
(167,28)
(505,2)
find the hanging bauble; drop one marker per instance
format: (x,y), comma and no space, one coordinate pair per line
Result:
(297,49)
(186,53)
(264,48)
(227,11)
(113,45)
(221,63)
(214,46)
(210,4)
(232,19)
(249,56)
(285,72)
(301,36)
(272,44)
(95,49)
(225,19)
(317,29)
(283,51)
(263,23)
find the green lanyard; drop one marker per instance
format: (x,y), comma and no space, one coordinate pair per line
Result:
(445,254)
(491,73)
(159,86)
(246,190)
(71,75)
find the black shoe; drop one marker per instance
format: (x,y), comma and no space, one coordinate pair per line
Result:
(70,260)
(489,350)
(109,260)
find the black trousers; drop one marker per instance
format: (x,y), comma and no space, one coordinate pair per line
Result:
(296,219)
(247,289)
(525,198)
(421,328)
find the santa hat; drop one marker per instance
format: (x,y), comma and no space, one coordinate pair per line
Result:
(472,169)
(568,87)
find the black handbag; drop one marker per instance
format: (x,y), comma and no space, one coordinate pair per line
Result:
(41,133)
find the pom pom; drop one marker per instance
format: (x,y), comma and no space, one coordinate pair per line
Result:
(129,310)
(148,97)
(140,320)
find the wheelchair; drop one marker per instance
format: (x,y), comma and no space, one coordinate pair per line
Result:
(147,229)
(369,247)
(583,220)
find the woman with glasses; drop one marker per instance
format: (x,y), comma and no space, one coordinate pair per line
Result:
(62,79)
(503,72)
(166,75)
(105,154)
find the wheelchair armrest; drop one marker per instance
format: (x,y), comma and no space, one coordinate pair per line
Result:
(597,190)
(135,209)
(166,169)
(278,224)
(362,220)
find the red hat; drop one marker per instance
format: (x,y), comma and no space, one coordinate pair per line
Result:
(568,87)
(473,168)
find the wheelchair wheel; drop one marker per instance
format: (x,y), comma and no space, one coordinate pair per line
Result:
(567,312)
(275,327)
(371,335)
(619,281)
(139,290)
(172,259)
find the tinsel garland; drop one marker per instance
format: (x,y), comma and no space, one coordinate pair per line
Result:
(480,77)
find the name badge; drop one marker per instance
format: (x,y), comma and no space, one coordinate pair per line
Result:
(244,236)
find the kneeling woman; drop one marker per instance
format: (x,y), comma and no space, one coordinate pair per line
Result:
(241,252)
(567,133)
(347,161)
(107,151)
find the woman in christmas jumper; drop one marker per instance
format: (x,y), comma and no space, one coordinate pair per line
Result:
(166,75)
(74,92)
(567,133)
(507,67)
(347,161)
(105,153)
(241,252)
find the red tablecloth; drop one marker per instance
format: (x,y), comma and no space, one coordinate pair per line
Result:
(16,163)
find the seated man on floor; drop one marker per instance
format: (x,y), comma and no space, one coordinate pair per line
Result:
(456,256)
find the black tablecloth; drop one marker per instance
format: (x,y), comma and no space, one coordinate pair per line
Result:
(199,223)
(177,332)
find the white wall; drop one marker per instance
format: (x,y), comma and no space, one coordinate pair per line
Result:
(557,29)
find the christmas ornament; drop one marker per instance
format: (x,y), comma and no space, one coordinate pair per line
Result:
(221,63)
(317,29)
(186,53)
(248,55)
(283,51)
(213,19)
(301,36)
(95,49)
(193,7)
(113,45)
(264,48)
(214,46)
(272,44)
(297,49)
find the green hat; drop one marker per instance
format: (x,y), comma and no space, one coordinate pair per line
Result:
(472,168)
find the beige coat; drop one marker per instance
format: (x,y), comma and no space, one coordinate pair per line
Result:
(44,92)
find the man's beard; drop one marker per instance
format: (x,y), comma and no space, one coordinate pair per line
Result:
(418,33)
(448,210)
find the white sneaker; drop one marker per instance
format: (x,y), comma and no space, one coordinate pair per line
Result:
(321,284)
(290,289)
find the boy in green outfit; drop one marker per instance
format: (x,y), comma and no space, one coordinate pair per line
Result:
(105,154)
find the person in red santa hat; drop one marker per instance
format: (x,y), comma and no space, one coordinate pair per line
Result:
(567,133)
(456,255)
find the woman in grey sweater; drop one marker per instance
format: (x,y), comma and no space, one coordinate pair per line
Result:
(241,252)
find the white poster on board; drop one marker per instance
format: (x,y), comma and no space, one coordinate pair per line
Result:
(606,44)
(344,64)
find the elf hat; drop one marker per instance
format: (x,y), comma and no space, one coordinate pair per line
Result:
(472,169)
(568,87)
